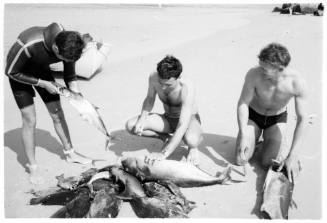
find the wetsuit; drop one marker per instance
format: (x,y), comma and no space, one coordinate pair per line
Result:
(28,60)
(265,121)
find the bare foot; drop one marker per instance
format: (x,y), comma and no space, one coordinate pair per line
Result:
(35,175)
(74,157)
(193,156)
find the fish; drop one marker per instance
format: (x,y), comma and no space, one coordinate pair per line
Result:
(132,186)
(58,197)
(277,194)
(77,207)
(148,200)
(72,182)
(104,205)
(95,198)
(182,174)
(177,205)
(87,111)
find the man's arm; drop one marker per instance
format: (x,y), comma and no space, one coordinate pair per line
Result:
(244,101)
(70,77)
(146,107)
(300,110)
(16,60)
(149,100)
(188,95)
(292,161)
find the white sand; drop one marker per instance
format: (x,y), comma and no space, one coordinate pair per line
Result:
(216,46)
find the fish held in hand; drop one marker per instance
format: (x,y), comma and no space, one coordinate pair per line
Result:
(277,195)
(88,111)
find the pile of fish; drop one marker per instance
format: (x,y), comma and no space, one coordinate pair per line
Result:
(151,189)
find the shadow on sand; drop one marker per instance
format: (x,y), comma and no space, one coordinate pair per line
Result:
(211,146)
(219,148)
(13,140)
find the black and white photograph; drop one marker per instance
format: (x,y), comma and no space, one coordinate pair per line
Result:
(163,109)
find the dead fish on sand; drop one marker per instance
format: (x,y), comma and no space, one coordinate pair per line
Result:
(72,182)
(85,201)
(87,111)
(277,194)
(152,200)
(180,173)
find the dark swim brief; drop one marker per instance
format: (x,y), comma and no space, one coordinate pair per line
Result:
(173,122)
(264,121)
(24,93)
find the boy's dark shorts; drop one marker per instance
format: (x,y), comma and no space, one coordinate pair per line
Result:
(264,121)
(173,122)
(24,93)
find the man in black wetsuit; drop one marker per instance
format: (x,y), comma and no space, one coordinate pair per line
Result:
(28,70)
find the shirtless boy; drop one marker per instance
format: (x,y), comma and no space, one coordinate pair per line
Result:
(181,115)
(262,109)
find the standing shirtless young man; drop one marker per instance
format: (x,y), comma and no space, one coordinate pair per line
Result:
(267,90)
(181,115)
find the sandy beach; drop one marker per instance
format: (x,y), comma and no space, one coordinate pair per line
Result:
(217,45)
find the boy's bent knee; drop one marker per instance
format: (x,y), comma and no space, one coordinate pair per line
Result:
(193,140)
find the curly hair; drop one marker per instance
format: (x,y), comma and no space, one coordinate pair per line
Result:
(275,54)
(169,67)
(70,44)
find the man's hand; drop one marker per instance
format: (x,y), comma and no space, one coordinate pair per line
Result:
(293,167)
(152,157)
(138,128)
(51,87)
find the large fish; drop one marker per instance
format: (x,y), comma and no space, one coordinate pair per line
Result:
(182,174)
(87,110)
(277,195)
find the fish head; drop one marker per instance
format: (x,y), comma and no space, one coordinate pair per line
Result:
(129,164)
(136,166)
(130,184)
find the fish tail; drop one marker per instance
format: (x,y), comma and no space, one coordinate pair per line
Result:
(59,198)
(225,175)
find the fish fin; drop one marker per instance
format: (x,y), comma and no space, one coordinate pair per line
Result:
(60,176)
(97,160)
(293,204)
(107,143)
(61,213)
(96,107)
(170,186)
(122,197)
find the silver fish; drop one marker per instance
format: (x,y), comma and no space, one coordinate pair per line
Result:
(180,173)
(87,110)
(277,195)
